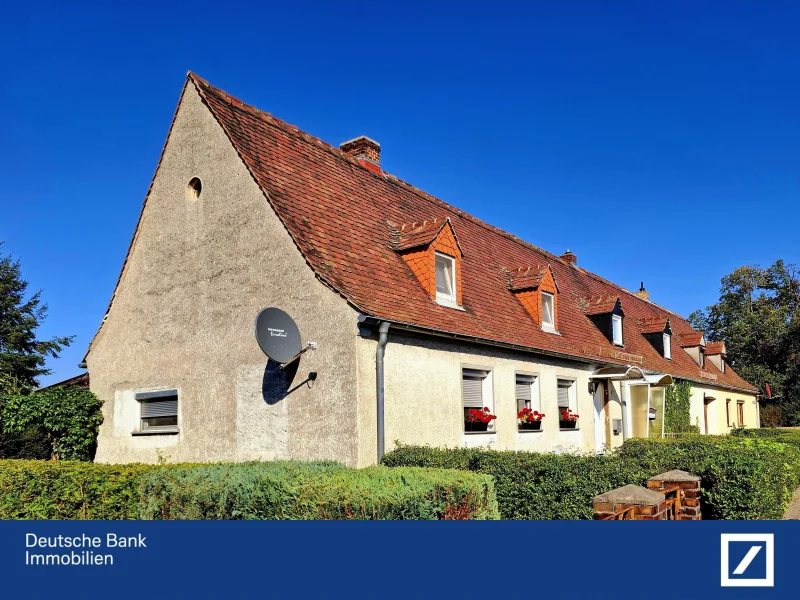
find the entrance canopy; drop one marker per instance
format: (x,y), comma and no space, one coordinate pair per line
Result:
(632,374)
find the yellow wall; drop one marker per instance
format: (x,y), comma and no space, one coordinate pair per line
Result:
(717,421)
(423,402)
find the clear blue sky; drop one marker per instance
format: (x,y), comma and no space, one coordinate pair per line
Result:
(660,141)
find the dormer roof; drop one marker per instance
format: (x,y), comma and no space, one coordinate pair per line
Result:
(600,305)
(692,339)
(420,233)
(528,278)
(714,348)
(658,324)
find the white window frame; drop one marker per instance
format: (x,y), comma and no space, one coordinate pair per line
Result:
(551,327)
(722,363)
(442,297)
(614,320)
(487,396)
(667,341)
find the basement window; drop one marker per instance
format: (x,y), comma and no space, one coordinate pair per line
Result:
(158,412)
(616,326)
(445,278)
(667,346)
(548,312)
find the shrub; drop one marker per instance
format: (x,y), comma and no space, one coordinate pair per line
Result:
(290,490)
(79,490)
(786,436)
(741,478)
(68,490)
(29,444)
(68,416)
(532,485)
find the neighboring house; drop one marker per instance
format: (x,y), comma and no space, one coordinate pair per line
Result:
(246,211)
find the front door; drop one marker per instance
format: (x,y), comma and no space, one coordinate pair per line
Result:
(600,417)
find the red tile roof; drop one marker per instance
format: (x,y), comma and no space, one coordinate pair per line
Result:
(715,348)
(338,213)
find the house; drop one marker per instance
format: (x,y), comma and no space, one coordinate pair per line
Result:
(420,313)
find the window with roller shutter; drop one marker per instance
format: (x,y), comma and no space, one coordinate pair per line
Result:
(475,391)
(159,411)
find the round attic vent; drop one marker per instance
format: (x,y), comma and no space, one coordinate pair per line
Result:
(194,188)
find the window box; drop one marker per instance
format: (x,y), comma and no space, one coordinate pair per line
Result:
(568,424)
(475,427)
(533,426)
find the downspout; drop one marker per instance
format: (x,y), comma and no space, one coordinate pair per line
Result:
(383,339)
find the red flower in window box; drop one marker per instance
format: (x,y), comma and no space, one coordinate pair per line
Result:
(568,419)
(530,419)
(478,420)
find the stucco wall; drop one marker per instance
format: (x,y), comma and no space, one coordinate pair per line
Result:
(184,313)
(717,422)
(424,405)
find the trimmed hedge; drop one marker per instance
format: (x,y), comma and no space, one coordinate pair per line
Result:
(532,485)
(740,478)
(314,491)
(282,490)
(785,436)
(32,489)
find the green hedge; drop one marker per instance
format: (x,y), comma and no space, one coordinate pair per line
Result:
(282,490)
(314,491)
(741,478)
(786,436)
(68,490)
(532,485)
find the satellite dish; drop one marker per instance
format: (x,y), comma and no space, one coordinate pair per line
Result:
(278,335)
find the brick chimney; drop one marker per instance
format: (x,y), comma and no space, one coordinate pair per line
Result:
(643,293)
(570,258)
(364,150)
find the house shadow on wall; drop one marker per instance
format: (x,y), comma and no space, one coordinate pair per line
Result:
(277,383)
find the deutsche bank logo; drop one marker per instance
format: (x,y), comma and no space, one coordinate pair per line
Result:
(748,559)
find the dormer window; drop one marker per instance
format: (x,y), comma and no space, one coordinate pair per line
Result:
(606,313)
(702,358)
(537,291)
(548,312)
(445,278)
(658,332)
(433,254)
(722,362)
(616,327)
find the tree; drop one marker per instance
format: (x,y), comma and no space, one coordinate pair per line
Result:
(757,318)
(22,354)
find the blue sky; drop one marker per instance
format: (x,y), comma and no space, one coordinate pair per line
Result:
(658,141)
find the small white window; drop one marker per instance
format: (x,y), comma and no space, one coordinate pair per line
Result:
(722,363)
(616,325)
(548,312)
(667,346)
(445,278)
(702,358)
